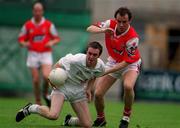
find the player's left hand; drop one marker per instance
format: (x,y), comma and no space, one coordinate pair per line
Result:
(49,44)
(88,94)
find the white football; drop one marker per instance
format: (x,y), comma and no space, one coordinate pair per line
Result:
(57,77)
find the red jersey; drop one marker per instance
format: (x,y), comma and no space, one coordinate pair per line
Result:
(121,47)
(38,34)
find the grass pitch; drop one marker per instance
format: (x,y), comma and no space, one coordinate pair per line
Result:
(145,115)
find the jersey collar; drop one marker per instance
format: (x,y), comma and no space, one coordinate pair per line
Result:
(122,33)
(96,66)
(41,22)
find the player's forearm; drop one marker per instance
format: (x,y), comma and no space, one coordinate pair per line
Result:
(24,43)
(95,29)
(117,67)
(57,65)
(55,41)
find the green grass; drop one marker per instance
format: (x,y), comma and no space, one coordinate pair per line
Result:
(145,115)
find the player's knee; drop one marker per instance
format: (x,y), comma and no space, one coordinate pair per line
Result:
(98,94)
(128,87)
(53,116)
(87,124)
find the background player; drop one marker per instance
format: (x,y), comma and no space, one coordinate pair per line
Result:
(38,35)
(80,69)
(121,42)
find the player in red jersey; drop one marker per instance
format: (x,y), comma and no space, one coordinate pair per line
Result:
(38,35)
(124,59)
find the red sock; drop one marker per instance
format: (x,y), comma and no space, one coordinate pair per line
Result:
(100,115)
(127,112)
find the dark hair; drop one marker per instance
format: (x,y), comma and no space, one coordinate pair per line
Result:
(122,11)
(38,2)
(95,45)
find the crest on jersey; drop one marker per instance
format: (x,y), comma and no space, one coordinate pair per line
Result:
(131,49)
(102,24)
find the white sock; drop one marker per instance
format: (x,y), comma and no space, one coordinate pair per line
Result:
(48,97)
(126,118)
(74,121)
(34,108)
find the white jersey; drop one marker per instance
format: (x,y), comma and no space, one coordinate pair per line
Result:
(78,72)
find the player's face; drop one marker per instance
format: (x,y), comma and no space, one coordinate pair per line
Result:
(122,23)
(38,11)
(92,56)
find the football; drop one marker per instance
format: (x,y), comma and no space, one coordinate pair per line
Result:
(57,77)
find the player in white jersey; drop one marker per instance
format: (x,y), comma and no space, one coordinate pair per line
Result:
(81,68)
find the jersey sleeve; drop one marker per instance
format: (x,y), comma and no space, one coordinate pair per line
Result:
(71,59)
(23,34)
(66,61)
(131,50)
(101,69)
(104,24)
(53,32)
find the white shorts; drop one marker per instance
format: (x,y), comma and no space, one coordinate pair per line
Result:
(36,59)
(134,66)
(71,92)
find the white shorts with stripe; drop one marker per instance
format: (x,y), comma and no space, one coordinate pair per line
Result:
(134,66)
(71,92)
(36,59)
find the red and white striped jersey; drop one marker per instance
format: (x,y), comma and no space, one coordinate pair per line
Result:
(122,47)
(38,34)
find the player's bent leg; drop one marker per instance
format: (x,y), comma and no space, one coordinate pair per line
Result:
(129,79)
(82,111)
(101,87)
(49,113)
(52,113)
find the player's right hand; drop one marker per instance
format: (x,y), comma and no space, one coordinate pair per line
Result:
(25,44)
(109,31)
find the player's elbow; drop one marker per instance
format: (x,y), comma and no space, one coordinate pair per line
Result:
(90,28)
